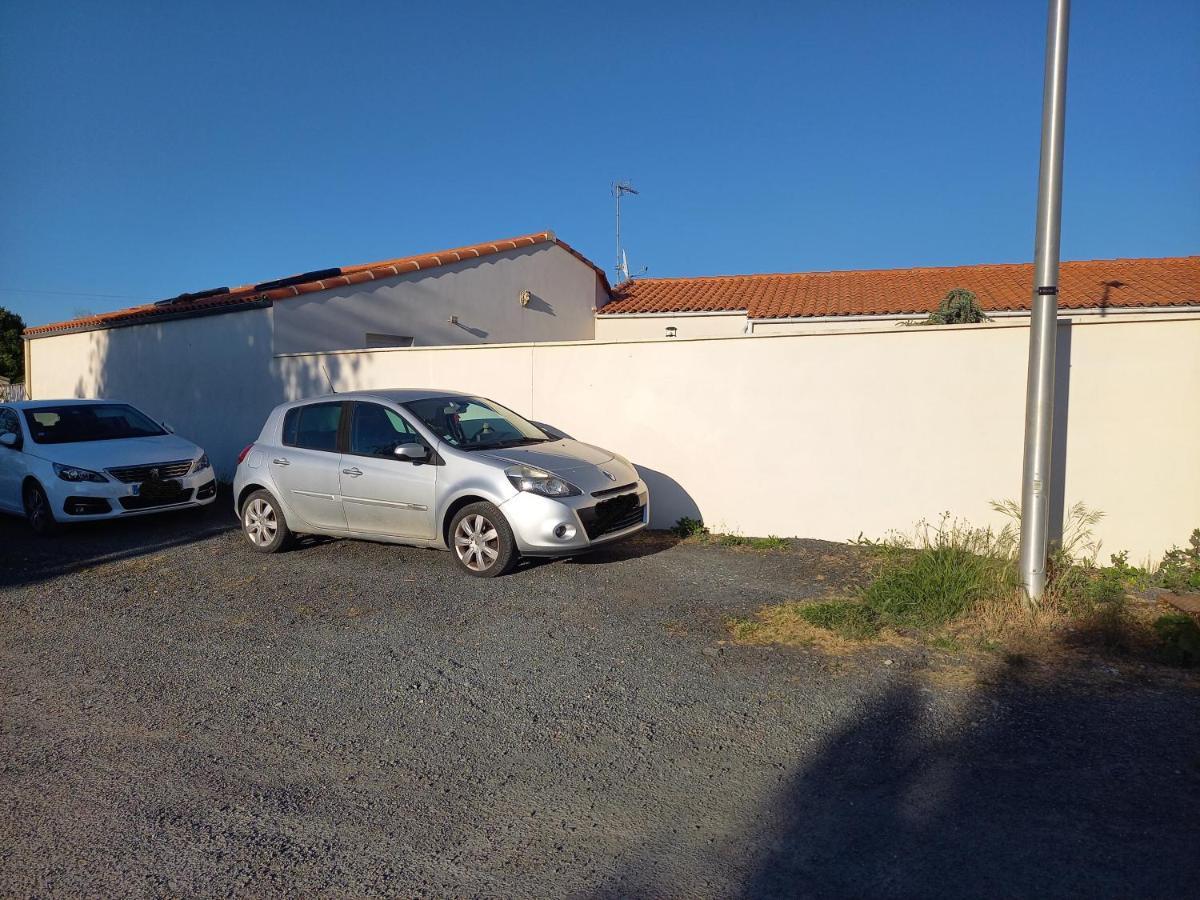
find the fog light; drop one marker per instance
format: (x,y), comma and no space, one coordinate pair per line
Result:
(564,532)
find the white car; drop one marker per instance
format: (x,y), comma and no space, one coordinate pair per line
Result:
(82,460)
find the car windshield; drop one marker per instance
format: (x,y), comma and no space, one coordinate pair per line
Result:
(470,423)
(88,422)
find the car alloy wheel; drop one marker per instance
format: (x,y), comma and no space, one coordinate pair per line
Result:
(37,509)
(477,543)
(260,522)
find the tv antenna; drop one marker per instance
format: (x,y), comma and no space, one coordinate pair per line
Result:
(620,189)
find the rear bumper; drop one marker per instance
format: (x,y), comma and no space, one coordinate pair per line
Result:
(543,526)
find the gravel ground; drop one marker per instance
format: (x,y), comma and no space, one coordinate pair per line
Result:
(181,716)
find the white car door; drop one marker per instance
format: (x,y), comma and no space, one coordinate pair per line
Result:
(12,462)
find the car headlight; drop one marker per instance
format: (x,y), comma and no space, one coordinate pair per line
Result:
(535,481)
(74,473)
(200,465)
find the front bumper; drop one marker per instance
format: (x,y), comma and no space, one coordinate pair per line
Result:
(85,501)
(544,526)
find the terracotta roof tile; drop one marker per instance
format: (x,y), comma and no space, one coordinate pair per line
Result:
(247,296)
(1117,283)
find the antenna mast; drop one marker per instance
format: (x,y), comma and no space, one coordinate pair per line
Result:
(620,188)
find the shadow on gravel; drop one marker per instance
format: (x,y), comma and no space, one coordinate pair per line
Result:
(26,558)
(1051,790)
(1027,790)
(645,543)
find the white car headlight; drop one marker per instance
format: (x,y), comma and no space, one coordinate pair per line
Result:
(74,473)
(201,464)
(535,481)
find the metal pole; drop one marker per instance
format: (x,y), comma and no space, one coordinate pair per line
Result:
(617,192)
(1039,394)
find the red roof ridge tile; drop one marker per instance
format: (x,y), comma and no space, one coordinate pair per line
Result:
(897,270)
(1085,284)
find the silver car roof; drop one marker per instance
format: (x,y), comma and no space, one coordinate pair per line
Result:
(391,395)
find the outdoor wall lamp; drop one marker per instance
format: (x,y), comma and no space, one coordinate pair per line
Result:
(671,331)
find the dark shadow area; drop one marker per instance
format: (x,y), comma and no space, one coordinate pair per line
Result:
(476,332)
(26,558)
(308,541)
(669,501)
(1063,786)
(1033,791)
(537,304)
(644,543)
(1058,448)
(1106,295)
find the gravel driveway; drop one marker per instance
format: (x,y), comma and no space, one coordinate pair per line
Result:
(181,716)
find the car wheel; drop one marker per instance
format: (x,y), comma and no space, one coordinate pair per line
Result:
(482,542)
(263,523)
(38,511)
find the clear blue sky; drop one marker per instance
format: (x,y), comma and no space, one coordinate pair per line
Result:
(151,148)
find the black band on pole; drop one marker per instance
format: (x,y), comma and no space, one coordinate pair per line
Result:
(1047,291)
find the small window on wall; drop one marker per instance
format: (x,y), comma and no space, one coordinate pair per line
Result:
(388,340)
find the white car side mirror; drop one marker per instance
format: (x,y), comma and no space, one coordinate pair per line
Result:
(9,440)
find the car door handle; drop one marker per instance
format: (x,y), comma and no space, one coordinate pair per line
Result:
(353,473)
(281,461)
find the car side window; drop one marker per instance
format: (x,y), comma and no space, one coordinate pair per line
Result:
(376,431)
(313,427)
(9,423)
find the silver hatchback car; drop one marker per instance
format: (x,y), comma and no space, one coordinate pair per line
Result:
(433,469)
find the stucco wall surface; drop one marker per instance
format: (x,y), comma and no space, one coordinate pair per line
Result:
(819,435)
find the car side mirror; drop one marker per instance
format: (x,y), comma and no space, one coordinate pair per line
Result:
(413,452)
(10,440)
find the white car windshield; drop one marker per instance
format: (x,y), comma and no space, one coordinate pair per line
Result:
(88,422)
(470,423)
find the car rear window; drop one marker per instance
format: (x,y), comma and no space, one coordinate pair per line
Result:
(313,427)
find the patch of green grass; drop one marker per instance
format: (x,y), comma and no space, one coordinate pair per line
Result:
(1179,639)
(846,618)
(744,629)
(686,527)
(1180,568)
(771,542)
(934,584)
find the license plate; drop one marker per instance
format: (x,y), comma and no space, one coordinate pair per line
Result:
(157,489)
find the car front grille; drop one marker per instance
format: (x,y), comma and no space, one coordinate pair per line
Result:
(134,503)
(137,474)
(612,515)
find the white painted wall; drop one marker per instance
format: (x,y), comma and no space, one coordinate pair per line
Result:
(483,293)
(817,435)
(649,327)
(210,378)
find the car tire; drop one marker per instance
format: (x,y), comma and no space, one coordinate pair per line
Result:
(38,511)
(264,524)
(482,542)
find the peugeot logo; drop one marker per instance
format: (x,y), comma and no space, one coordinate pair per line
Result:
(609,475)
(154,474)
